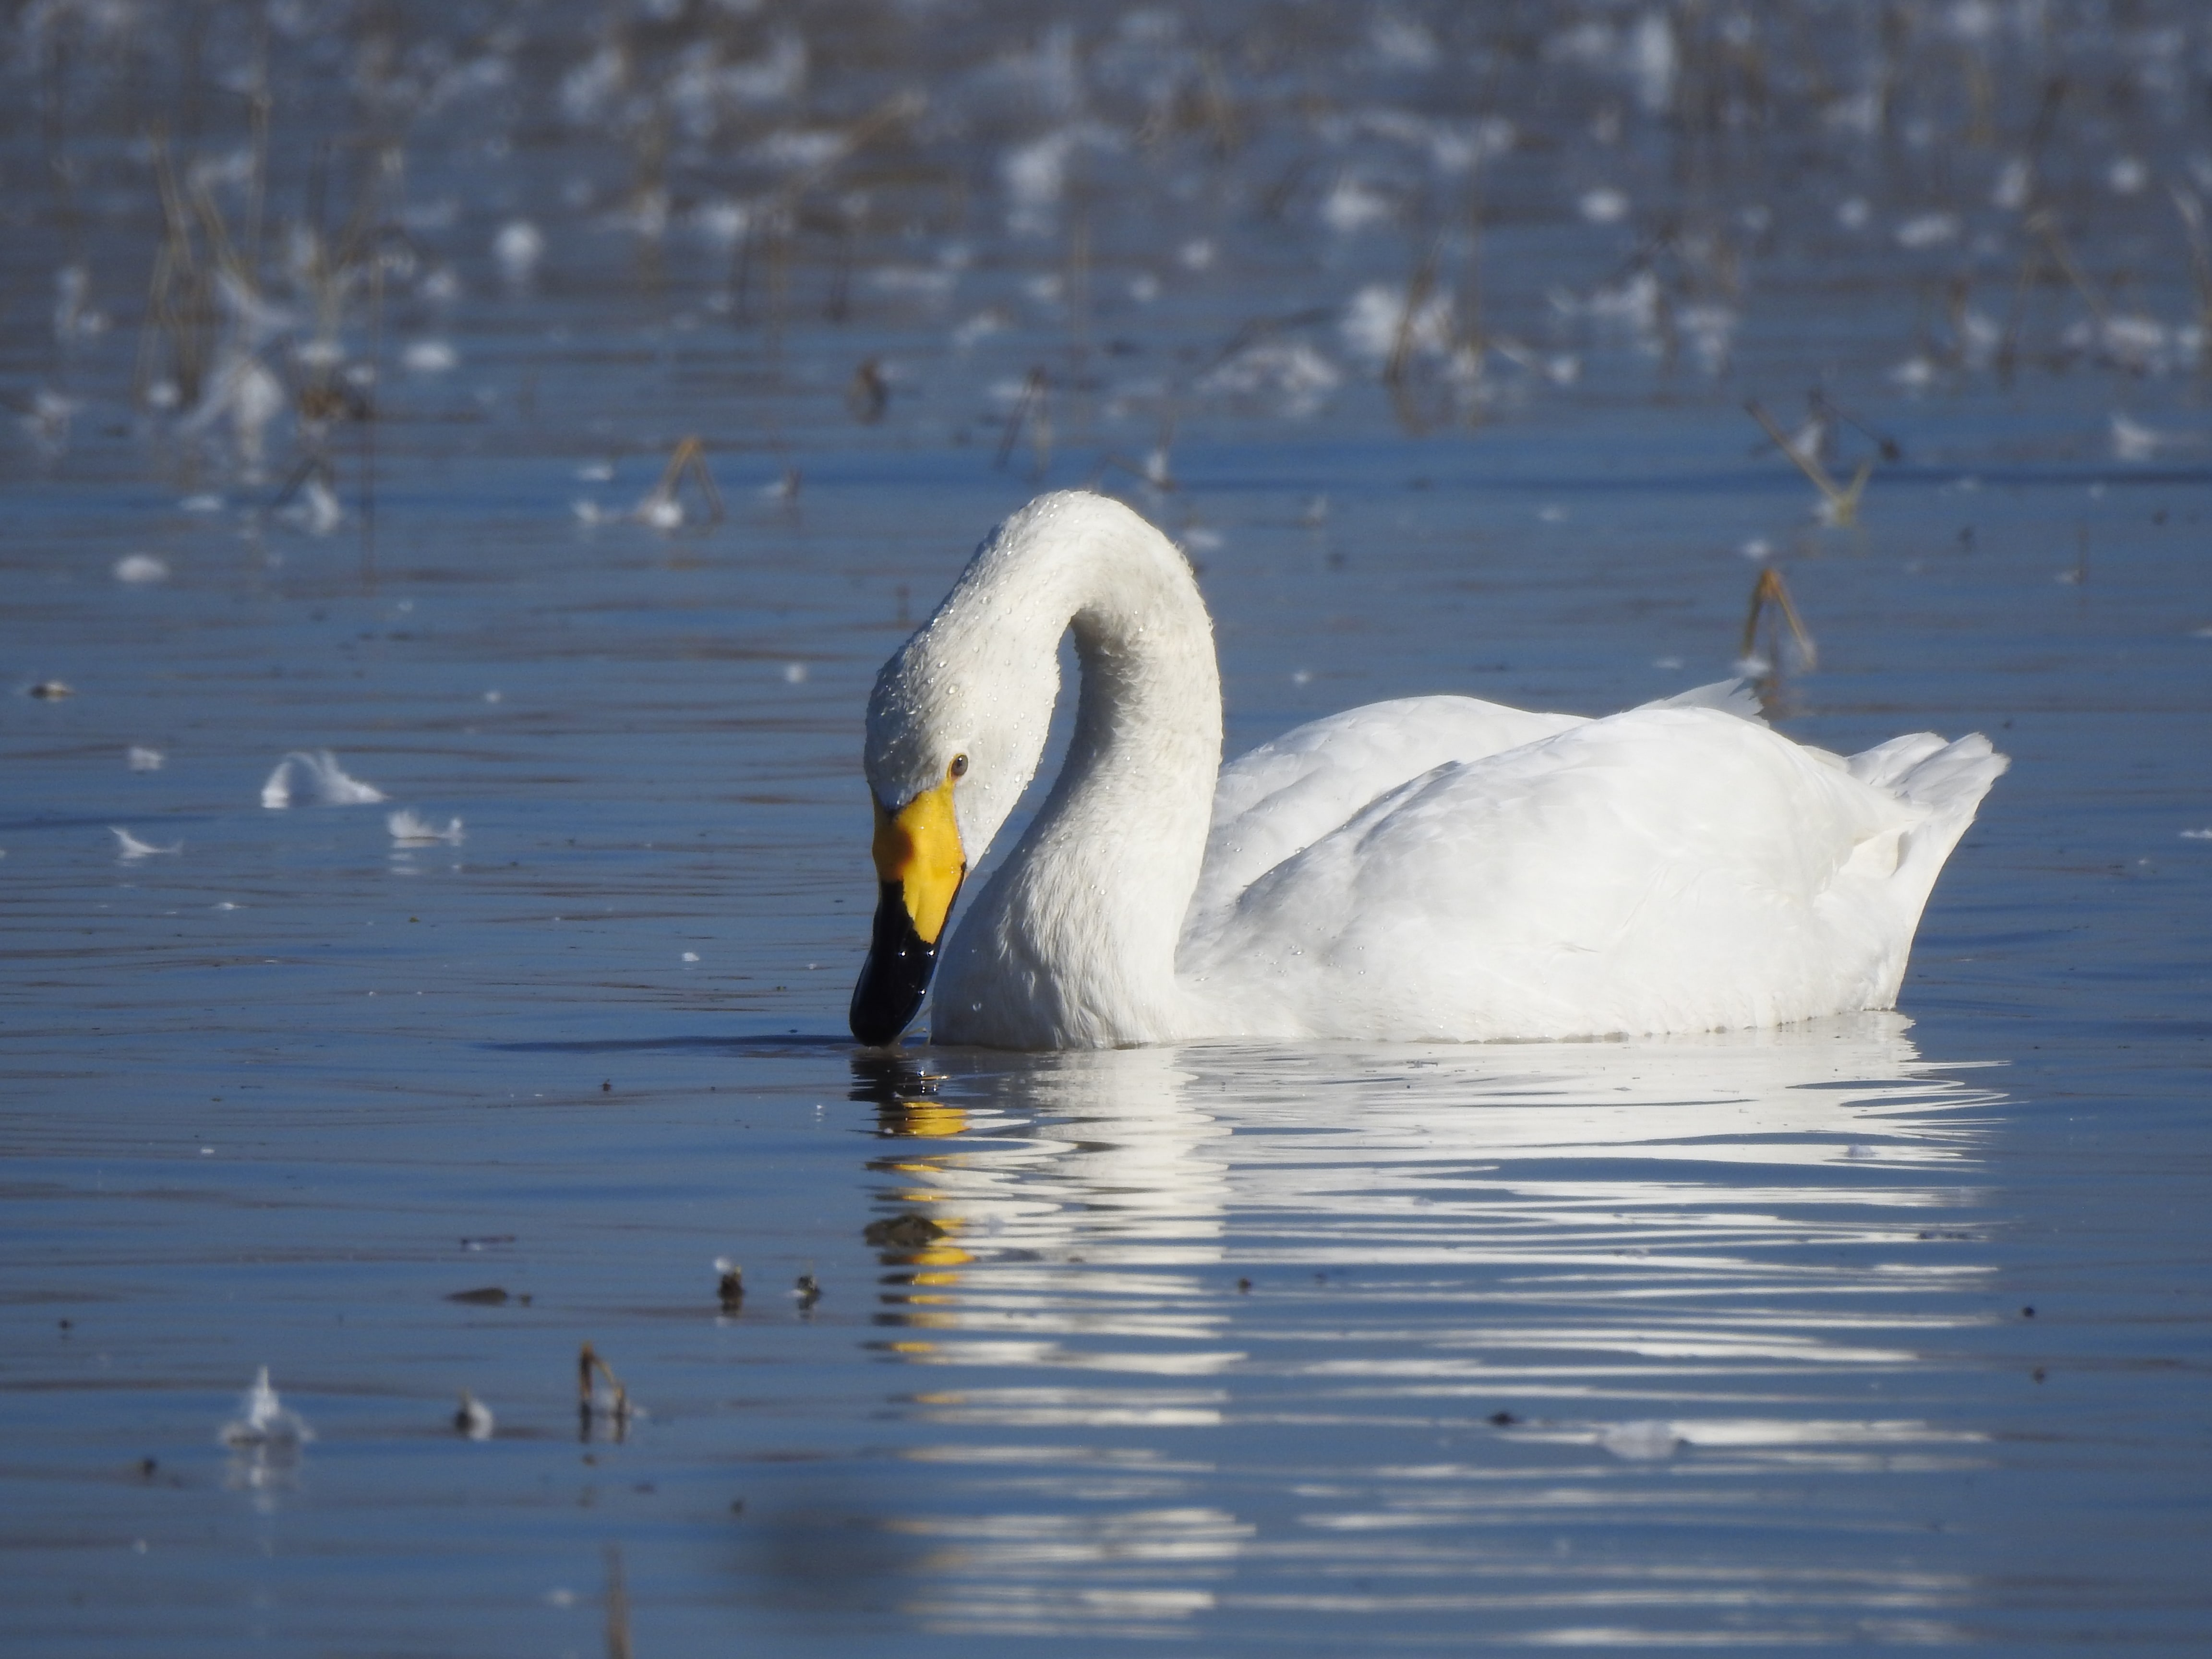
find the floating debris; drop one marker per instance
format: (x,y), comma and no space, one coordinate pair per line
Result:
(409,830)
(129,850)
(142,759)
(474,1419)
(429,357)
(869,394)
(662,507)
(1840,504)
(910,1231)
(139,568)
(486,1296)
(1769,592)
(730,1284)
(600,1396)
(302,778)
(518,247)
(269,1426)
(1646,1441)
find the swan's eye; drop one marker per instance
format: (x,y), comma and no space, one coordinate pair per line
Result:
(959,767)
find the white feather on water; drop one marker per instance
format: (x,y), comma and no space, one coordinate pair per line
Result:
(129,850)
(267,1425)
(429,357)
(315,779)
(411,830)
(474,1419)
(1645,1441)
(518,247)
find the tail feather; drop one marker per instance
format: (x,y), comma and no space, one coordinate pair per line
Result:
(1947,780)
(1885,765)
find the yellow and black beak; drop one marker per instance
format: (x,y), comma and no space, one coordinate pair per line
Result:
(920,866)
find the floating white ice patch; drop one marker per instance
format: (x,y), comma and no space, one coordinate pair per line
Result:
(304,779)
(141,568)
(2196,834)
(1289,377)
(316,510)
(409,831)
(2134,441)
(518,247)
(1604,205)
(129,850)
(474,1419)
(429,357)
(268,1424)
(1354,205)
(1646,1441)
(1928,230)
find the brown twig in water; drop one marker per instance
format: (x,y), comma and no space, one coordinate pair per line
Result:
(2200,258)
(618,1643)
(1890,448)
(868,393)
(1840,504)
(1035,411)
(1418,288)
(1771,592)
(2044,224)
(588,1364)
(660,507)
(368,419)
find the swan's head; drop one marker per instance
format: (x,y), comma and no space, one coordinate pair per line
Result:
(956,727)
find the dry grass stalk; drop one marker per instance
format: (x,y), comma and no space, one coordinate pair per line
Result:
(589,1367)
(1033,412)
(1840,504)
(1771,593)
(660,505)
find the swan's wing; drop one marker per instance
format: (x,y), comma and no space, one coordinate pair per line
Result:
(1664,869)
(1288,794)
(1738,697)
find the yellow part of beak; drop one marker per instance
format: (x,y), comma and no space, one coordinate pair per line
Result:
(919,847)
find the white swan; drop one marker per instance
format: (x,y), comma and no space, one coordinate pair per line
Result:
(1435,867)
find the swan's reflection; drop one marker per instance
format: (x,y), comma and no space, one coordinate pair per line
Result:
(1482,1296)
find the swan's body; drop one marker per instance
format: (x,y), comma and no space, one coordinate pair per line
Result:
(1436,868)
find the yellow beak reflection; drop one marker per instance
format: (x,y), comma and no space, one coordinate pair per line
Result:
(920,865)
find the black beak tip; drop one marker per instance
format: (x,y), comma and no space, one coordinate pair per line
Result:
(895,977)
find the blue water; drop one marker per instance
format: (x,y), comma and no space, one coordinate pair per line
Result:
(1325,1350)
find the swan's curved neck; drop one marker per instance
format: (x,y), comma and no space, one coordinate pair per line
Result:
(1073,941)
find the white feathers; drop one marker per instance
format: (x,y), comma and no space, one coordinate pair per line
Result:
(267,1425)
(129,850)
(430,356)
(305,778)
(1644,1441)
(518,248)
(1429,868)
(138,569)
(408,829)
(474,1420)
